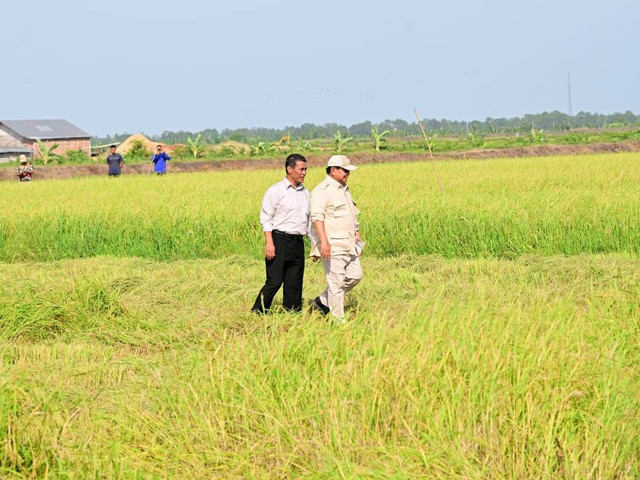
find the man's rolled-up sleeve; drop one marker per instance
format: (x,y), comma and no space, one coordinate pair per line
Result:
(268,210)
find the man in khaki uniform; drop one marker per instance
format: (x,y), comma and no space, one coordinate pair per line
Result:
(335,236)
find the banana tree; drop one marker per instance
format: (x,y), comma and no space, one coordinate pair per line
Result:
(195,147)
(537,136)
(259,147)
(378,137)
(340,142)
(304,146)
(46,153)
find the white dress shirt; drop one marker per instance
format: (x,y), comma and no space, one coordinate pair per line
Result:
(285,208)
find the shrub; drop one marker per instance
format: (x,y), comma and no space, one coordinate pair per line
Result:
(181,151)
(76,156)
(138,150)
(573,138)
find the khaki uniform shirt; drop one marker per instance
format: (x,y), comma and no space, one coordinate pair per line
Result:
(331,203)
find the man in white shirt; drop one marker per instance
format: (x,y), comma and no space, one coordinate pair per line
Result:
(285,221)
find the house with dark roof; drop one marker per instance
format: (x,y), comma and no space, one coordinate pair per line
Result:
(19,137)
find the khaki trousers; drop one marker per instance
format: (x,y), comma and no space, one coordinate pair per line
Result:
(343,272)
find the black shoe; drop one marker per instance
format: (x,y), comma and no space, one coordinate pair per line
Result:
(319,306)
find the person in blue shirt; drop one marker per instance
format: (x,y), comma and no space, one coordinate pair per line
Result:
(160,160)
(115,162)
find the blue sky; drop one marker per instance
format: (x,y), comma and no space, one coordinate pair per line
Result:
(150,66)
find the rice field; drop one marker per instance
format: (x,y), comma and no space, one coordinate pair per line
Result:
(495,334)
(502,208)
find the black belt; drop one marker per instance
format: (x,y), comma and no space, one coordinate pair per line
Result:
(293,236)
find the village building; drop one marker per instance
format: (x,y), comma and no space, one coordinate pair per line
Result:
(19,137)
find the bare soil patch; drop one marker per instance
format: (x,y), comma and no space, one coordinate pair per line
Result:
(316,160)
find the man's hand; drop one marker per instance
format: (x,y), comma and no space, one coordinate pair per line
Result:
(325,247)
(270,247)
(270,251)
(325,250)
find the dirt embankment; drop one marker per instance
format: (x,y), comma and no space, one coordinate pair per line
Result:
(315,160)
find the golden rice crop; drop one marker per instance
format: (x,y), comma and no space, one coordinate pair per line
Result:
(504,208)
(495,333)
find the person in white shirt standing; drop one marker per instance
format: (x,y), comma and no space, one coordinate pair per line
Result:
(285,221)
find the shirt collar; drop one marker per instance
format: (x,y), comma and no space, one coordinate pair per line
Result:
(333,182)
(288,184)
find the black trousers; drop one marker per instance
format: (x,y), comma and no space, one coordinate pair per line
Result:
(286,267)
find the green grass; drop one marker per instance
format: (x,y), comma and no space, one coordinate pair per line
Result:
(495,335)
(491,208)
(125,368)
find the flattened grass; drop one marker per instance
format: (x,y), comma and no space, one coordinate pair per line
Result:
(464,368)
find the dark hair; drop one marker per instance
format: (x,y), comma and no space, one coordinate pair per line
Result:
(292,160)
(329,170)
(112,146)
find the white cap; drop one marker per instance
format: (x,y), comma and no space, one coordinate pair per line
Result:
(23,159)
(341,161)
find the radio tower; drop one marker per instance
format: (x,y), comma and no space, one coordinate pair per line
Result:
(569,91)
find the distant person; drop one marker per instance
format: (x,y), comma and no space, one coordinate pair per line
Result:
(24,170)
(115,162)
(335,237)
(285,221)
(160,160)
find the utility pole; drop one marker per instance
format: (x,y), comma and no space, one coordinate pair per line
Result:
(569,92)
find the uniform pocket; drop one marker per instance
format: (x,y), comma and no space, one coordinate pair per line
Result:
(339,209)
(340,243)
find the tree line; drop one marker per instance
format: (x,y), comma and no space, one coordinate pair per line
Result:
(549,121)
